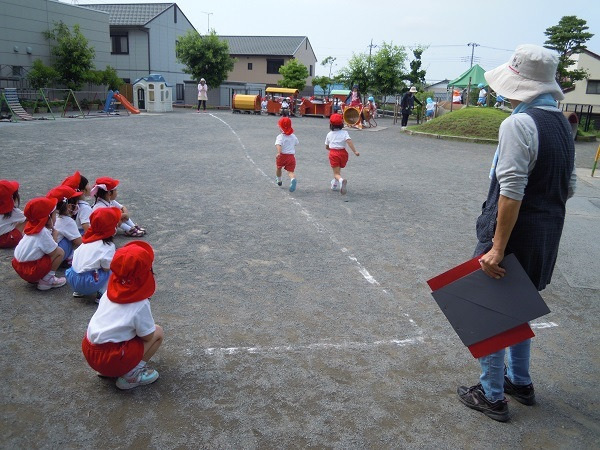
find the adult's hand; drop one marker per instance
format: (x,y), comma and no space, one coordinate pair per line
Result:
(490,263)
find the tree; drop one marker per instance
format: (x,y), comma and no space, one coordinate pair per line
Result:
(323,82)
(568,37)
(388,69)
(357,72)
(41,75)
(73,56)
(294,75)
(205,57)
(417,75)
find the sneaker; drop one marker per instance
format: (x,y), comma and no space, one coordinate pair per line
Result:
(293,185)
(522,394)
(278,181)
(141,378)
(474,398)
(52,282)
(334,185)
(343,188)
(78,295)
(98,296)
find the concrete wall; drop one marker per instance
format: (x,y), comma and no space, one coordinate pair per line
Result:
(578,95)
(23,21)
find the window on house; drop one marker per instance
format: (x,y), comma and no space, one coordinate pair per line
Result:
(593,87)
(249,66)
(175,14)
(119,43)
(273,65)
(310,70)
(179,90)
(176,51)
(17,71)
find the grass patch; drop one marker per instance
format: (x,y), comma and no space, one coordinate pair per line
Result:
(482,123)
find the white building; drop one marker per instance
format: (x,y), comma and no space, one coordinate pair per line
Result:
(586,91)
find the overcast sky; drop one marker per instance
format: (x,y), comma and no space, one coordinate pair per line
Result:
(341,28)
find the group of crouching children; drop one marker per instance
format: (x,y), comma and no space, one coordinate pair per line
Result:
(63,230)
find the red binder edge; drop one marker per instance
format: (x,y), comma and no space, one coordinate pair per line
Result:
(454,274)
(502,340)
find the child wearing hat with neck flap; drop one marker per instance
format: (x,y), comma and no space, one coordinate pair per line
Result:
(37,255)
(122,336)
(67,233)
(105,192)
(12,219)
(335,143)
(285,143)
(90,270)
(80,184)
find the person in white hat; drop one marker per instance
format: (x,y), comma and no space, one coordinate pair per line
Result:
(407,103)
(531,179)
(202,94)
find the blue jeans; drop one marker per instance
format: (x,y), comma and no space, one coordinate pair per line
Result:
(492,369)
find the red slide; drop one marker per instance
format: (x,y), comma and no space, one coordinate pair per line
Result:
(128,106)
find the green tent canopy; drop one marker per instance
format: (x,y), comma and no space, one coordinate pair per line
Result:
(475,73)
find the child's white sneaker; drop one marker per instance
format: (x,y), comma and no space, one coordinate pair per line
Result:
(46,284)
(279,181)
(343,188)
(142,377)
(334,185)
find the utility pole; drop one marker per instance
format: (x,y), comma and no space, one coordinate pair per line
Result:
(208,14)
(472,44)
(371,47)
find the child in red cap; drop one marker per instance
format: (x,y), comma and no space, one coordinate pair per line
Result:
(67,233)
(37,255)
(12,219)
(90,270)
(285,143)
(83,211)
(105,192)
(122,336)
(335,143)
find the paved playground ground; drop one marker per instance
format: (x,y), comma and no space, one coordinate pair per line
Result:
(292,320)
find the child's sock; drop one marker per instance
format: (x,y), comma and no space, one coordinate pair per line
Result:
(279,181)
(125,227)
(134,371)
(49,275)
(130,223)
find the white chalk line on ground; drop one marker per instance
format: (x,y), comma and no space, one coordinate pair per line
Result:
(318,226)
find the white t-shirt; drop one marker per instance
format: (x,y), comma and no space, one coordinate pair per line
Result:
(336,139)
(83,213)
(288,143)
(104,204)
(430,106)
(92,256)
(120,322)
(67,228)
(482,93)
(34,246)
(7,224)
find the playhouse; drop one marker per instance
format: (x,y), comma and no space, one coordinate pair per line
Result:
(153,94)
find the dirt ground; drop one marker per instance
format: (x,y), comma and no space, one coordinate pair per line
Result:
(292,320)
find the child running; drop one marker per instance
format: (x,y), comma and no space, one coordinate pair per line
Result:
(90,270)
(82,214)
(335,143)
(37,255)
(67,234)
(285,143)
(105,192)
(122,336)
(12,219)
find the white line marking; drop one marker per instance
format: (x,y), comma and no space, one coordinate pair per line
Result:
(542,325)
(214,351)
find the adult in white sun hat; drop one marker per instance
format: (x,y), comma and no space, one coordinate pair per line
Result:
(531,178)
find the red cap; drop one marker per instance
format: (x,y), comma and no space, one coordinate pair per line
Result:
(336,119)
(106,183)
(62,193)
(37,211)
(7,189)
(286,125)
(73,180)
(131,279)
(103,224)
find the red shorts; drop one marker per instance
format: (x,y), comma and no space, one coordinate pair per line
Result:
(113,359)
(10,239)
(33,271)
(338,158)
(287,161)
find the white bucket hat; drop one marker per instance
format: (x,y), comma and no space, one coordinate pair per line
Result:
(413,89)
(529,73)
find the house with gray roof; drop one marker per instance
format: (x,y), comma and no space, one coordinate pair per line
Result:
(260,57)
(142,41)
